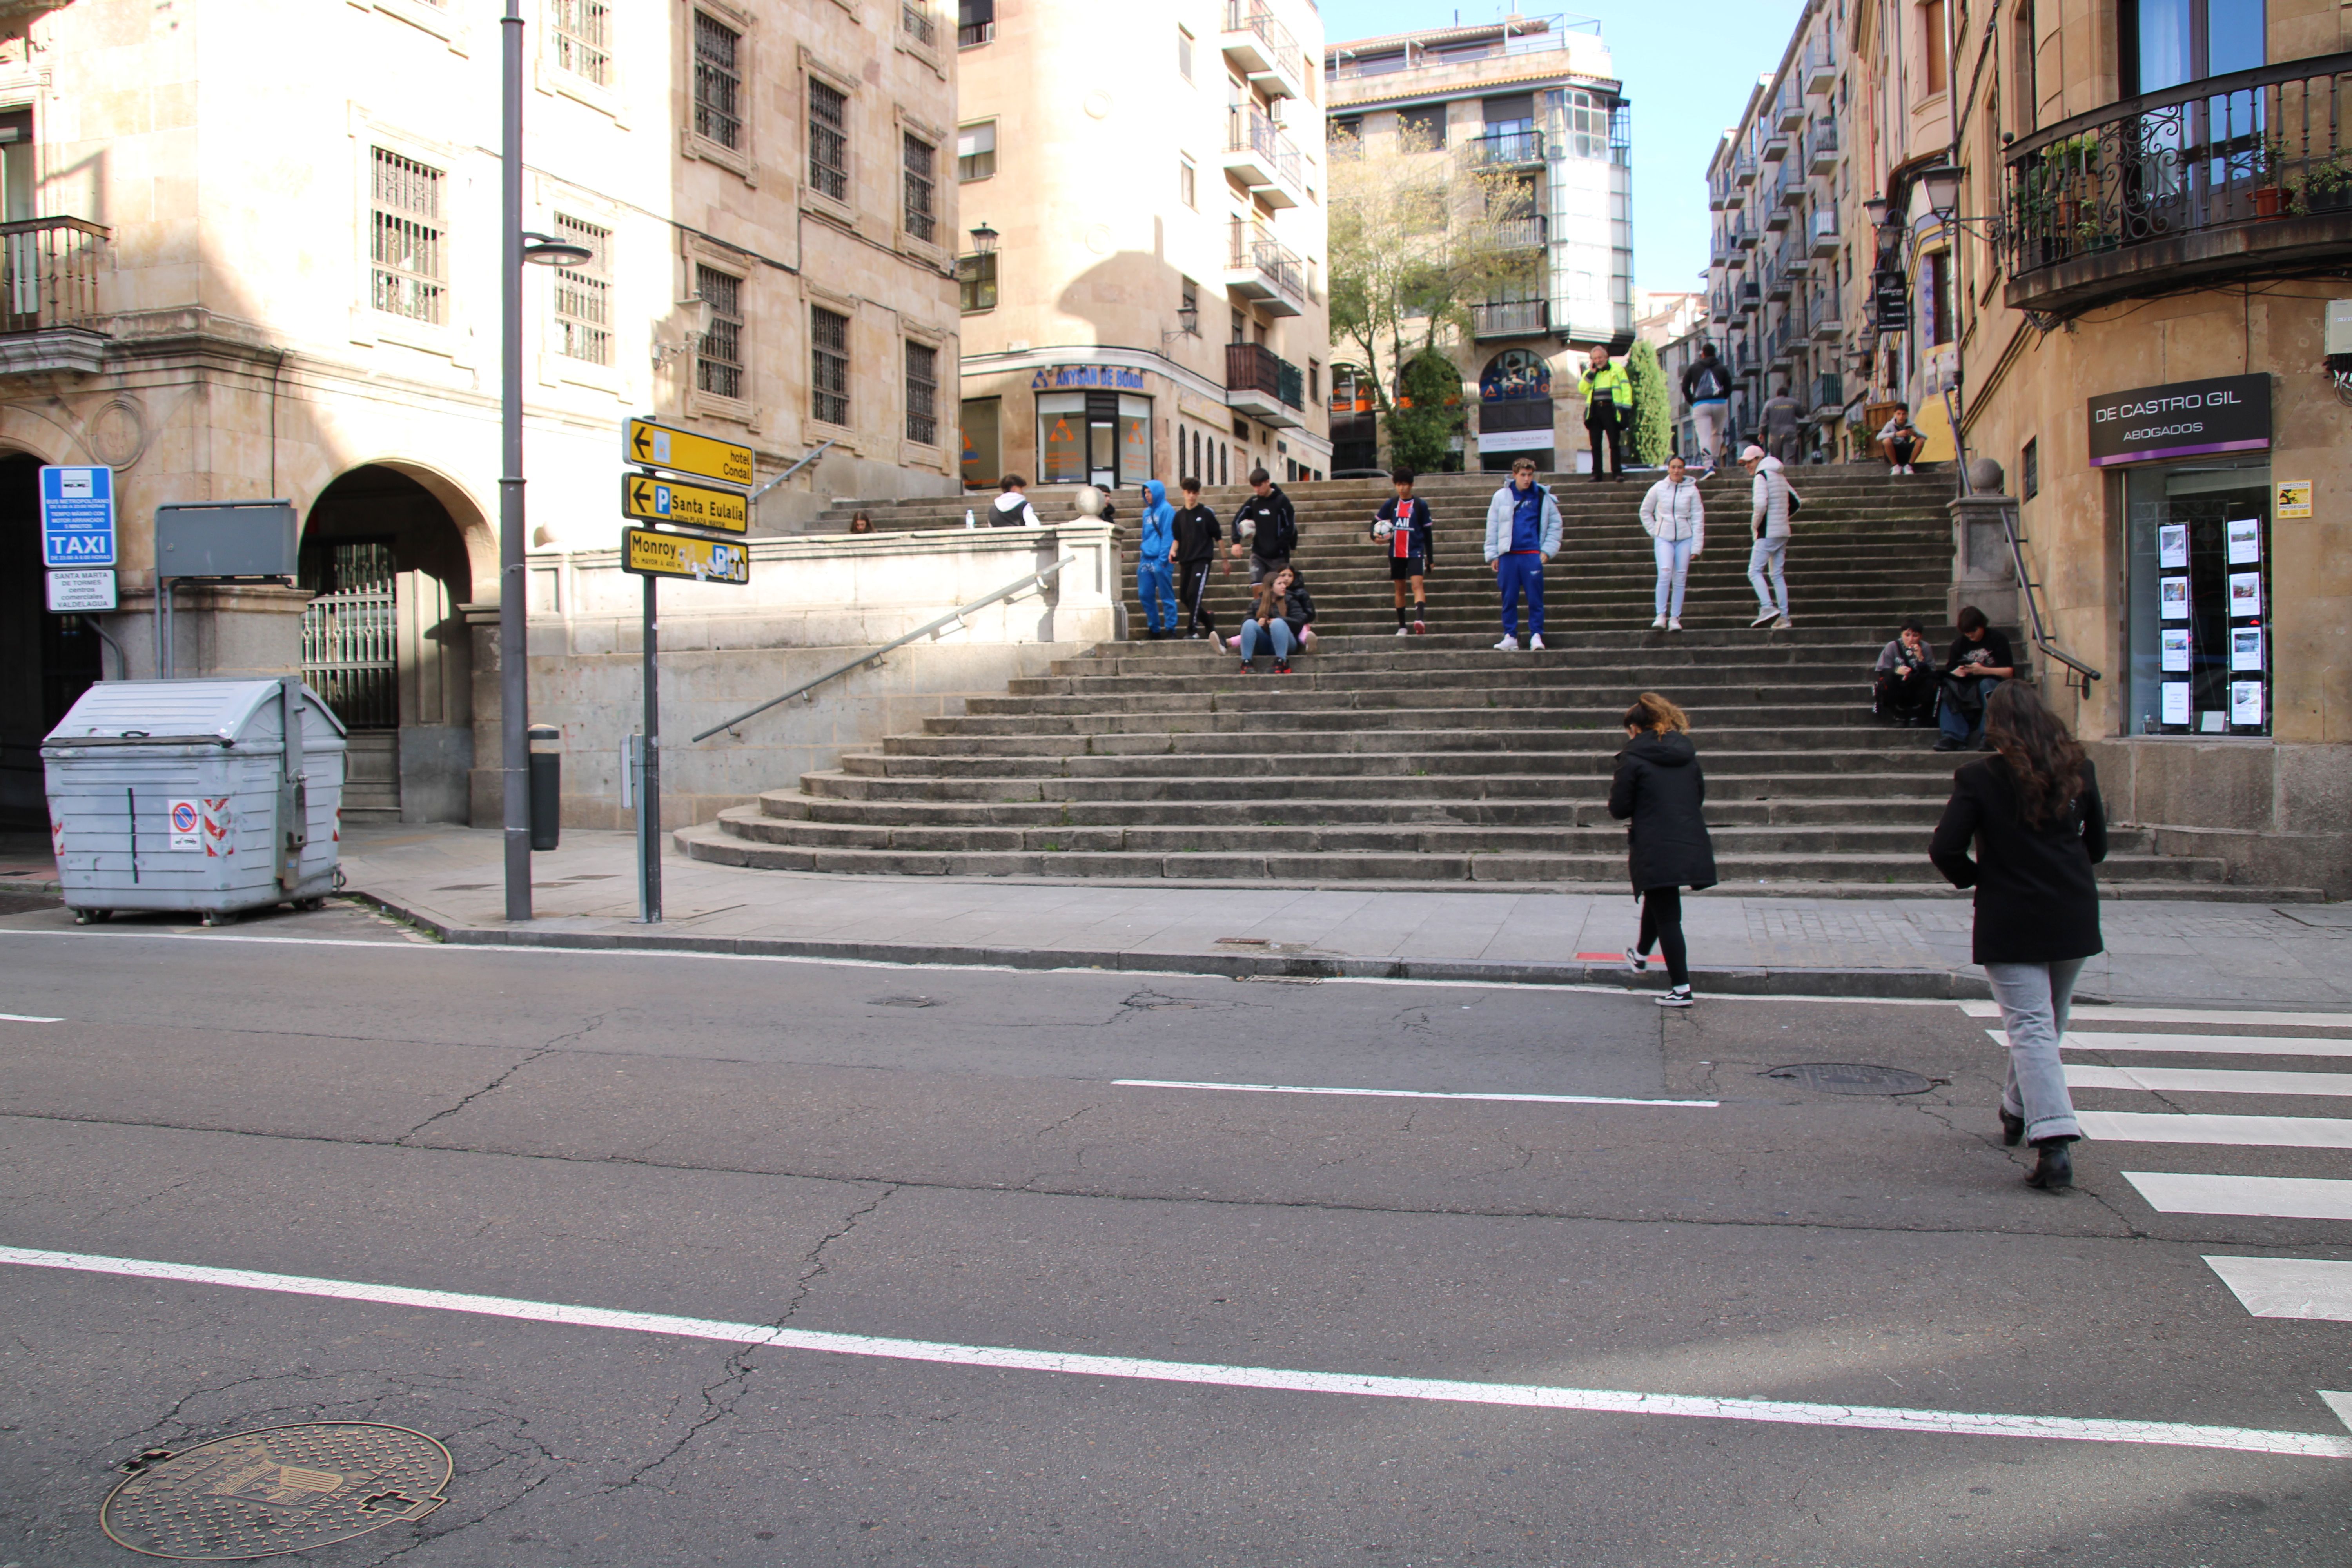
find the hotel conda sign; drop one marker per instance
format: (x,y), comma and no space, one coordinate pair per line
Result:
(2182,419)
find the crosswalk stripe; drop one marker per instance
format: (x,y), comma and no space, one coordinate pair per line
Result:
(2208,1080)
(2200,1045)
(2242,1132)
(2185,1015)
(2261,1197)
(2315,1287)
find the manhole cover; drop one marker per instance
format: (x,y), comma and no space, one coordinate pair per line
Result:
(902,1002)
(283,1488)
(1850,1077)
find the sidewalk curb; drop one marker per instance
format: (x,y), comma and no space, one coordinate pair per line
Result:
(1899,984)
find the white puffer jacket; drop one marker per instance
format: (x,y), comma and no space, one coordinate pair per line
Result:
(1673,512)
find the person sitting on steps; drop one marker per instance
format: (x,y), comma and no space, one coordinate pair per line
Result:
(1902,440)
(1904,684)
(1279,615)
(1979,661)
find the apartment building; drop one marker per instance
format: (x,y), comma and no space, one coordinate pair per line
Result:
(2148,206)
(1144,290)
(233,276)
(1781,262)
(1534,98)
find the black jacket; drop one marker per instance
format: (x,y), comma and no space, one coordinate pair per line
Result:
(1660,786)
(1197,533)
(1277,524)
(1721,381)
(2037,901)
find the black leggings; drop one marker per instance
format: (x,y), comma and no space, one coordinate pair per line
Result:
(1662,922)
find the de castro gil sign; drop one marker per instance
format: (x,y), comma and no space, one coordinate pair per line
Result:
(2182,419)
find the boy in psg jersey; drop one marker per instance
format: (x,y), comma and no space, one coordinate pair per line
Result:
(1403,526)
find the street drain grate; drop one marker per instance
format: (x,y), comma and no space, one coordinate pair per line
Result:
(280,1489)
(902,1002)
(1852,1077)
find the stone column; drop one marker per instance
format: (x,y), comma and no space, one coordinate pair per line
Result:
(1984,573)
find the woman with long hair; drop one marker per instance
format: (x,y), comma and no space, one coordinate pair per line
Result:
(1658,793)
(2033,814)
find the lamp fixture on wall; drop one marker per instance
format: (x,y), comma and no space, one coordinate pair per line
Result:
(700,318)
(984,239)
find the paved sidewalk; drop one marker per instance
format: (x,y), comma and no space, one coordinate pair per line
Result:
(448,880)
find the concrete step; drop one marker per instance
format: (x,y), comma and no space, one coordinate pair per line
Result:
(1920,811)
(1795,784)
(1597,732)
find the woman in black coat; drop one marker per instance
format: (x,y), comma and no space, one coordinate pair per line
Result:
(2033,814)
(1660,787)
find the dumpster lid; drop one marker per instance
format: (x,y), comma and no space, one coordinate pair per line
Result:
(163,713)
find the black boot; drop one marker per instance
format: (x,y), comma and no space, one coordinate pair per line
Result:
(2012,1131)
(2056,1168)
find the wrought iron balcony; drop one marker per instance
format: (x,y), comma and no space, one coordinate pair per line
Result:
(1262,48)
(1500,149)
(1261,267)
(1262,156)
(49,294)
(1821,148)
(1269,389)
(1829,394)
(2232,175)
(1511,318)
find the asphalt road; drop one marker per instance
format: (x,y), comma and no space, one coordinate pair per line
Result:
(949,1156)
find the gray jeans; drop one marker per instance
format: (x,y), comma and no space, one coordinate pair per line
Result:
(2033,1000)
(1768,567)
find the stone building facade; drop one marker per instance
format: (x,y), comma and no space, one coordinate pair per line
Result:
(1535,97)
(1144,285)
(229,282)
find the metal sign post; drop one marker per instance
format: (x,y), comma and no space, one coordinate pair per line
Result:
(648,552)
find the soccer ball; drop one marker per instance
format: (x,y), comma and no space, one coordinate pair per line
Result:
(1382,530)
(1245,529)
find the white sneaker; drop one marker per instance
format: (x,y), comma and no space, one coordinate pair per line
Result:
(1659,625)
(1674,626)
(1784,624)
(1535,645)
(1508,645)
(1404,631)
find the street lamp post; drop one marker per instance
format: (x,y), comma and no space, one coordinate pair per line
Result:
(515,248)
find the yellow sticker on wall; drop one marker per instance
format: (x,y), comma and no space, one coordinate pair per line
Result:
(2292,499)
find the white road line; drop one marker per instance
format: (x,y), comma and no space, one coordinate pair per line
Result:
(2208,1080)
(2237,1132)
(1603,1401)
(26,1018)
(2289,1287)
(2182,1015)
(2260,1197)
(2202,1045)
(1405,1093)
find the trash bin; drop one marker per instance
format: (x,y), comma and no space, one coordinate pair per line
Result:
(184,796)
(546,786)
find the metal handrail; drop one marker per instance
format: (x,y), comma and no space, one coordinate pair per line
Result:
(2027,587)
(1022,584)
(788,473)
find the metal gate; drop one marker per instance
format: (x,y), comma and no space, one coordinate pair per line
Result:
(351,653)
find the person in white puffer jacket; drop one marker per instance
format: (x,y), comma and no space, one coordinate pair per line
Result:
(1675,520)
(1772,504)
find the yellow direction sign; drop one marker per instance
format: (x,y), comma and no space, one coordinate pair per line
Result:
(653,446)
(646,499)
(651,554)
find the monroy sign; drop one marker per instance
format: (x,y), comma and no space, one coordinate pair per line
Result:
(2182,419)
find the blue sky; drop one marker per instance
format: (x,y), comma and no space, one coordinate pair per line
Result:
(1687,65)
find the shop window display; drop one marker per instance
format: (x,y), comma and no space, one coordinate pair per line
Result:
(2199,536)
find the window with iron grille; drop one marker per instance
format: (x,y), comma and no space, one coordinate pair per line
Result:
(828,140)
(976,276)
(922,393)
(583,295)
(717,81)
(408,240)
(921,159)
(828,366)
(718,361)
(583,30)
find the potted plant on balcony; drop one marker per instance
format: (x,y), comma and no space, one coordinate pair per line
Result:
(2271,199)
(2327,187)
(2091,235)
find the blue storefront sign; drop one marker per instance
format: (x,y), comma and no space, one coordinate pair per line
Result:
(1114,377)
(76,516)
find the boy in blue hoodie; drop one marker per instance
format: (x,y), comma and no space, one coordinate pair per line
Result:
(1155,574)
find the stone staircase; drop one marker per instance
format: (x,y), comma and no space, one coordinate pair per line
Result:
(1436,759)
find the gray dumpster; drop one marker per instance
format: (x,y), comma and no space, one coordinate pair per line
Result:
(184,795)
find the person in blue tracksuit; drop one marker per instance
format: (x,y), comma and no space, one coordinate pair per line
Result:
(1522,533)
(1155,573)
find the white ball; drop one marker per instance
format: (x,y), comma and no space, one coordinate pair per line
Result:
(1088,501)
(1382,530)
(1245,529)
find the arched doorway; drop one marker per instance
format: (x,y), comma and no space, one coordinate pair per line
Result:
(1515,411)
(46,660)
(384,643)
